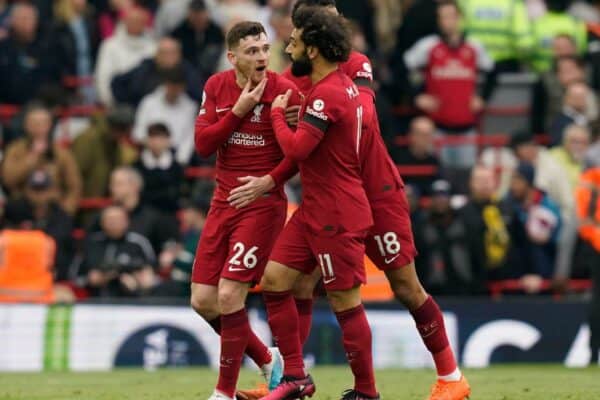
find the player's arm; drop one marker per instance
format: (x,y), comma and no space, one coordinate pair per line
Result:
(211,132)
(300,144)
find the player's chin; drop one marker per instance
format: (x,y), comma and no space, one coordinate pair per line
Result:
(259,74)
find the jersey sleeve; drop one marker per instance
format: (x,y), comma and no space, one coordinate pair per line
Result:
(416,57)
(484,61)
(209,131)
(360,71)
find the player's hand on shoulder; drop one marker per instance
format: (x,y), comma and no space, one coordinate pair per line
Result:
(252,188)
(249,98)
(282,100)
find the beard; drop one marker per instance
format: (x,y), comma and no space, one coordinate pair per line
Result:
(302,66)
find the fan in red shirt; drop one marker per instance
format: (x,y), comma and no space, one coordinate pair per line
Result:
(235,122)
(390,243)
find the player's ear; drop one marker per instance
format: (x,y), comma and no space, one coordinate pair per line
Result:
(312,52)
(231,57)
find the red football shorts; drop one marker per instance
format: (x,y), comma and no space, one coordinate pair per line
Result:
(390,243)
(236,244)
(340,255)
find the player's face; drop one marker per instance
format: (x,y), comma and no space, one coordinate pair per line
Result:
(448,19)
(301,64)
(251,57)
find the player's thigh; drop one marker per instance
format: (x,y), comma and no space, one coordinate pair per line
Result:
(341,259)
(390,243)
(251,241)
(212,249)
(292,248)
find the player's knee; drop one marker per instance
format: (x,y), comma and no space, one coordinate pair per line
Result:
(409,292)
(304,287)
(206,307)
(230,300)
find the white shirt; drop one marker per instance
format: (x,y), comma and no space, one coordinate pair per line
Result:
(179,117)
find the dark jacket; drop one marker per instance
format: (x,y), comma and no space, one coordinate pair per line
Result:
(133,85)
(162,183)
(201,50)
(65,47)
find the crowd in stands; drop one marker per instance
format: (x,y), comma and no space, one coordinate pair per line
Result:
(97,106)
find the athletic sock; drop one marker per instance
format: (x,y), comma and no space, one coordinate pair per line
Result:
(356,334)
(235,330)
(283,320)
(305,309)
(256,349)
(430,324)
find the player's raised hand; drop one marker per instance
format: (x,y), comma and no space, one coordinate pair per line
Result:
(249,98)
(253,187)
(291,115)
(282,100)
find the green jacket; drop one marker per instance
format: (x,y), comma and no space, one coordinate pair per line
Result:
(97,154)
(502,26)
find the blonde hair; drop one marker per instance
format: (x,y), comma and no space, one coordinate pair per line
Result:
(63,10)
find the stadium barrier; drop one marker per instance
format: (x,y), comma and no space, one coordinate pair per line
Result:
(103,336)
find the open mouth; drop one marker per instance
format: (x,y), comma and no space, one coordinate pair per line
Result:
(261,68)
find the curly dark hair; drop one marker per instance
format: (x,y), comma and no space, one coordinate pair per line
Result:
(312,3)
(241,30)
(327,32)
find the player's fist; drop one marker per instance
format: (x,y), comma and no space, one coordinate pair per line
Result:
(477,104)
(291,115)
(249,98)
(427,103)
(282,100)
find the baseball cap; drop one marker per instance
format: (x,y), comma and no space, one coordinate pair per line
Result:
(39,180)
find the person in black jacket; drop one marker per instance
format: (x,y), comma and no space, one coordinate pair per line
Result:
(160,170)
(117,261)
(26,64)
(201,39)
(133,85)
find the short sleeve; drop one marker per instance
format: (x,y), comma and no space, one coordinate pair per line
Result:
(322,109)
(359,69)
(418,55)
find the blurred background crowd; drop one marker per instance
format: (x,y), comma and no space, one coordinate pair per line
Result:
(488,107)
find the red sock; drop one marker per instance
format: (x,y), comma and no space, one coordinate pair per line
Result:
(305,309)
(256,349)
(356,334)
(283,320)
(430,324)
(234,339)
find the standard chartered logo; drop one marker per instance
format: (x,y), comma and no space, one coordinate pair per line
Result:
(246,139)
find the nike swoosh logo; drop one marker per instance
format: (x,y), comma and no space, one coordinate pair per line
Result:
(388,261)
(326,281)
(223,109)
(234,269)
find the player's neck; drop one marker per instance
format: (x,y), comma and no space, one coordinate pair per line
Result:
(321,70)
(241,80)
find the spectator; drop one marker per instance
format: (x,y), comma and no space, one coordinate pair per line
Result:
(111,15)
(26,63)
(446,267)
(75,42)
(571,155)
(161,173)
(451,64)
(555,22)
(169,104)
(38,210)
(37,151)
(549,176)
(5,9)
(123,51)
(485,220)
(592,157)
(201,39)
(169,15)
(534,228)
(103,147)
(419,152)
(574,111)
(117,261)
(125,189)
(132,86)
(282,28)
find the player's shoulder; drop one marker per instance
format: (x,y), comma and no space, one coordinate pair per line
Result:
(282,83)
(358,65)
(219,80)
(336,87)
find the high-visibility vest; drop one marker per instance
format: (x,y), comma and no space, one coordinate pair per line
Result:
(502,26)
(549,26)
(26,260)
(587,203)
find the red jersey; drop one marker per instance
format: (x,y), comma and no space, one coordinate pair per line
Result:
(244,146)
(450,76)
(333,198)
(379,173)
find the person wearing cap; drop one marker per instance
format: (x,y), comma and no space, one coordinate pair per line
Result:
(534,228)
(445,266)
(170,105)
(37,151)
(104,146)
(38,209)
(161,173)
(202,40)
